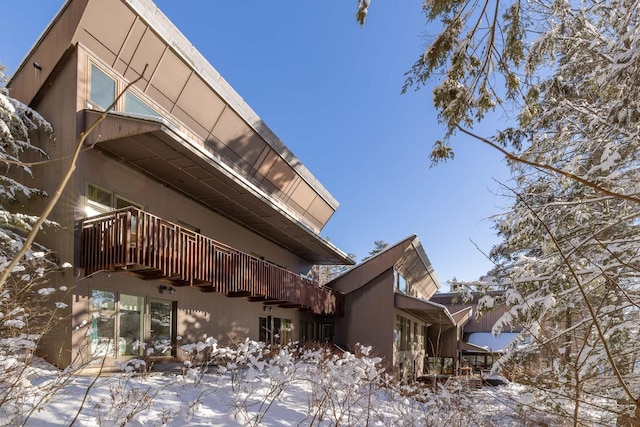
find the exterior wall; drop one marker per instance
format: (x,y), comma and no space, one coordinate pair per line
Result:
(58,107)
(199,315)
(370,317)
(26,83)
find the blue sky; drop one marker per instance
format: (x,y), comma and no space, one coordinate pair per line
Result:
(331,91)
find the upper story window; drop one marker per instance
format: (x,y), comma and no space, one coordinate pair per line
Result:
(133,104)
(101,200)
(399,281)
(103,88)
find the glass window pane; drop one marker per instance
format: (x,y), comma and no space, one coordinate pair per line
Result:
(447,365)
(327,332)
(103,88)
(133,104)
(99,195)
(103,314)
(131,329)
(434,365)
(161,327)
(99,200)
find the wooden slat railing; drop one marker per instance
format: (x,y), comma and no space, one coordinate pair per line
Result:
(135,240)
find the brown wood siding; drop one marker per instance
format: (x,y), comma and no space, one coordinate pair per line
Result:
(370,319)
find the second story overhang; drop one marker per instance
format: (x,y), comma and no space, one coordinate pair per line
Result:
(182,162)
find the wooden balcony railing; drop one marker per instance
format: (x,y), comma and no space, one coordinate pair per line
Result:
(136,241)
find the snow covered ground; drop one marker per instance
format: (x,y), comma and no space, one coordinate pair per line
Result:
(249,386)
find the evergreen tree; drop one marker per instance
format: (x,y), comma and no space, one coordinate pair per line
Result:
(380,245)
(564,74)
(16,122)
(26,309)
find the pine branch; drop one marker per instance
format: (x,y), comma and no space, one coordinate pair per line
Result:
(513,157)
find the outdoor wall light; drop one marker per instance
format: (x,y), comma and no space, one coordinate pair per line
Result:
(265,308)
(167,290)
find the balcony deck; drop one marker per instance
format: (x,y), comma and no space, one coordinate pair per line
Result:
(135,241)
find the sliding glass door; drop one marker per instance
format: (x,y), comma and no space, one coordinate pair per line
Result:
(120,324)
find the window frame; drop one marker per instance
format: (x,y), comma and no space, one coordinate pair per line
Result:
(400,282)
(97,206)
(92,103)
(150,111)
(120,93)
(114,197)
(403,336)
(146,324)
(276,330)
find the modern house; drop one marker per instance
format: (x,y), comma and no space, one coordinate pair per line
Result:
(185,215)
(390,307)
(478,347)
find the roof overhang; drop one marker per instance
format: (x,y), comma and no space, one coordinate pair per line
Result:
(415,266)
(162,151)
(427,311)
(408,257)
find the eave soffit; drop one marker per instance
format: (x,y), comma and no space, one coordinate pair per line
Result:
(146,141)
(430,312)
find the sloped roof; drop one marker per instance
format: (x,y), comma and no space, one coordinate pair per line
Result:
(409,258)
(70,17)
(462,316)
(411,261)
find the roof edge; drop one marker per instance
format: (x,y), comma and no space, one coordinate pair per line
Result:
(417,245)
(360,265)
(38,41)
(166,30)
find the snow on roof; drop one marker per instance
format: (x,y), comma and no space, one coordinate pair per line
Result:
(495,344)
